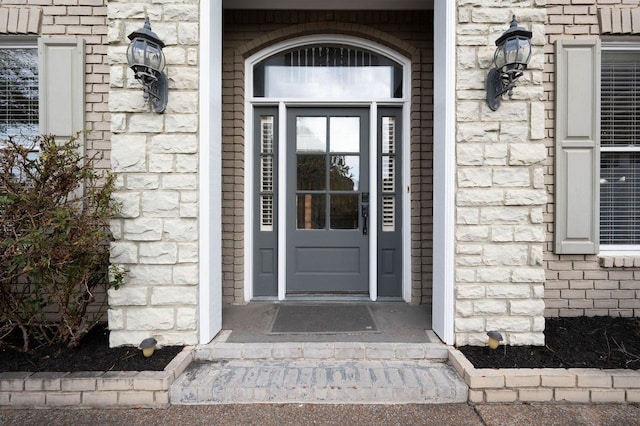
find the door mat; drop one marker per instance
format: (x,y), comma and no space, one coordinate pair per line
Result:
(323,319)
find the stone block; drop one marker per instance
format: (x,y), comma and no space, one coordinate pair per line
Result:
(99,399)
(80,381)
(257,351)
(482,378)
(174,295)
(629,379)
(186,318)
(152,380)
(181,230)
(287,351)
(116,380)
(572,395)
(592,378)
(128,153)
(63,399)
(318,350)
(143,229)
(150,318)
(521,377)
(501,395)
(28,399)
(160,204)
(476,396)
(44,381)
(632,396)
(609,396)
(535,395)
(153,253)
(525,154)
(128,296)
(13,381)
(409,351)
(379,351)
(348,350)
(459,362)
(135,398)
(558,377)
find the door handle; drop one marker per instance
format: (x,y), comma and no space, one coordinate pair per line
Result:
(365,216)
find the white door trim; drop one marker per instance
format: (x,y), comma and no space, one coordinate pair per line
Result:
(444,166)
(250,101)
(210,171)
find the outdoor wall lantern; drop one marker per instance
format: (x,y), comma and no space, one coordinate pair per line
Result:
(512,56)
(146,59)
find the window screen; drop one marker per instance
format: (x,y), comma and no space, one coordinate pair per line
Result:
(18,92)
(620,149)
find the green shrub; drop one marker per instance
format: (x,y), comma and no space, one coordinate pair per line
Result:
(54,242)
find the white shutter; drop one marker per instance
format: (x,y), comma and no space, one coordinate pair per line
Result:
(61,86)
(577,166)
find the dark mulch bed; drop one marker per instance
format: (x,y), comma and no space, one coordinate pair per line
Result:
(583,342)
(93,354)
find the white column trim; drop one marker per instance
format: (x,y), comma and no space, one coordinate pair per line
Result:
(444,166)
(210,171)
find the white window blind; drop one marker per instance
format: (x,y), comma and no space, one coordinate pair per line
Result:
(620,149)
(18,92)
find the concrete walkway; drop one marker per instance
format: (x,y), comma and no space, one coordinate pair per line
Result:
(310,414)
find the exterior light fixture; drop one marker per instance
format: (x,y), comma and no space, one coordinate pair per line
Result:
(146,59)
(147,346)
(494,339)
(512,56)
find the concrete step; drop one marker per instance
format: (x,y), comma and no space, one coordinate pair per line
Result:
(319,372)
(231,381)
(220,349)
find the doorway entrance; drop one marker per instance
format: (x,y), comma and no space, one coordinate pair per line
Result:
(327,200)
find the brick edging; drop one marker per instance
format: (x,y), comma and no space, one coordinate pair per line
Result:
(87,389)
(577,385)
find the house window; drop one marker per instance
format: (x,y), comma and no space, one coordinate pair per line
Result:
(19,90)
(327,72)
(620,149)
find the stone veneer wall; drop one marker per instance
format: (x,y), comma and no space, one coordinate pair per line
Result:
(156,158)
(246,32)
(500,182)
(581,285)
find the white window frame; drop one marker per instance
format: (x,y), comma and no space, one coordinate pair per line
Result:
(23,42)
(619,249)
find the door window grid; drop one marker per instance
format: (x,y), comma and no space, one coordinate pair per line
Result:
(388,174)
(266,173)
(620,159)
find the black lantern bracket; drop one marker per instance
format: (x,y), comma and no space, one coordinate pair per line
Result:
(146,59)
(510,59)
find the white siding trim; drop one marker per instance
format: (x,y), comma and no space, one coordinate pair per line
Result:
(210,171)
(444,170)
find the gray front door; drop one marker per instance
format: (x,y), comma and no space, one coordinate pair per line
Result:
(327,200)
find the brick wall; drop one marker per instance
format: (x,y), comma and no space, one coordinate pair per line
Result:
(580,285)
(242,32)
(86,19)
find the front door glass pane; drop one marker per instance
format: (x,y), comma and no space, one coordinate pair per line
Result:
(345,172)
(311,134)
(311,211)
(311,172)
(344,211)
(345,134)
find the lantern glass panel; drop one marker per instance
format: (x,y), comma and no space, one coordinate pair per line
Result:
(155,59)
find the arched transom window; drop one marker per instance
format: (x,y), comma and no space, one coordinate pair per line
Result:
(327,72)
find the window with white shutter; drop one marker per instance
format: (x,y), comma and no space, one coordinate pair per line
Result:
(620,148)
